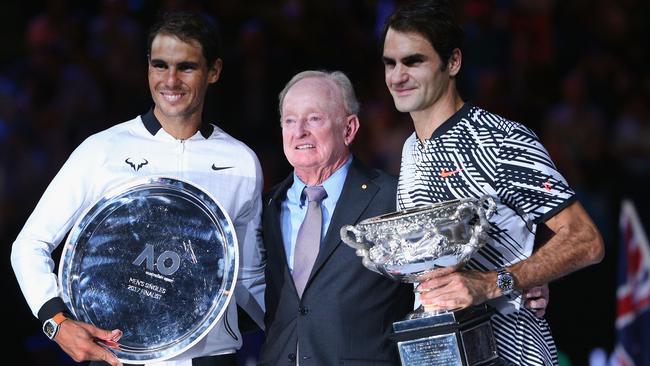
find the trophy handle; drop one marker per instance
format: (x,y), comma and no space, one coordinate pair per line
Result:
(353,237)
(487,206)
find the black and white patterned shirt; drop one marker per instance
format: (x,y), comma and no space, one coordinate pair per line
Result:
(475,153)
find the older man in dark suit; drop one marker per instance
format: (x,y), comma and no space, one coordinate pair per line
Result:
(322,306)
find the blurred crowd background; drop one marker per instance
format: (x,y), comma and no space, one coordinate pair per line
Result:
(575,71)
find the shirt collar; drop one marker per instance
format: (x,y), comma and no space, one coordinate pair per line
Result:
(333,185)
(152,125)
(451,121)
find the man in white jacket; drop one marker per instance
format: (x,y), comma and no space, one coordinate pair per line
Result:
(173,140)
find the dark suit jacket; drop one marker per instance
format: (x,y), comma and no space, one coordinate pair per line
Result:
(347,311)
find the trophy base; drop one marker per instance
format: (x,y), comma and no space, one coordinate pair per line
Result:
(456,338)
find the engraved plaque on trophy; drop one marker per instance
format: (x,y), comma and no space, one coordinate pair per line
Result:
(156,258)
(405,246)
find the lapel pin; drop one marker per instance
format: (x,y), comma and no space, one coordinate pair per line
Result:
(364,186)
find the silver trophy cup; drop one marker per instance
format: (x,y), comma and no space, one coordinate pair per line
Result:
(156,258)
(406,246)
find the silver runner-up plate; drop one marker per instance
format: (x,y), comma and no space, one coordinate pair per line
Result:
(156,258)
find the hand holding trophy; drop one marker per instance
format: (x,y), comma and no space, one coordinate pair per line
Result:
(411,245)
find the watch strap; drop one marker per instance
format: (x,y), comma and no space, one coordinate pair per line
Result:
(59,318)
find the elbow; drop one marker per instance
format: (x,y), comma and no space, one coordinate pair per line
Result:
(14,255)
(596,251)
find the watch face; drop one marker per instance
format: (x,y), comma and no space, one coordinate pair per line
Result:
(49,328)
(505,281)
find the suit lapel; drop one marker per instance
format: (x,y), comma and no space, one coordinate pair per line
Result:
(358,190)
(272,215)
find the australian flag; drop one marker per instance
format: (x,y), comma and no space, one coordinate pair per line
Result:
(633,293)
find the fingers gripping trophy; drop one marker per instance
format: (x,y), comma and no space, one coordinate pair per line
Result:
(412,244)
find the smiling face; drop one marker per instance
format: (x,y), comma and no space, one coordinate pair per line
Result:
(178,79)
(414,72)
(316,130)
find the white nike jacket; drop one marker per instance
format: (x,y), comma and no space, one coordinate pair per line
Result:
(211,159)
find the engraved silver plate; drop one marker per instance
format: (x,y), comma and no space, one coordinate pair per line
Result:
(156,258)
(437,350)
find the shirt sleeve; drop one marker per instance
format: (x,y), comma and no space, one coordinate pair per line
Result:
(61,204)
(249,292)
(527,179)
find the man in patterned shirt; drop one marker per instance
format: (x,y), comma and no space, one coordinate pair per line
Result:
(460,150)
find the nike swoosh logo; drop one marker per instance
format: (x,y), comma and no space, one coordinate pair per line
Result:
(446,173)
(214,167)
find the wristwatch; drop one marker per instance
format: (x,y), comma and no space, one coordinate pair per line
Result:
(505,281)
(51,326)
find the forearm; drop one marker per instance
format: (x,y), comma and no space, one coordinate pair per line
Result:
(575,245)
(249,292)
(33,268)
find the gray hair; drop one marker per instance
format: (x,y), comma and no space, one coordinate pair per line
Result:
(350,102)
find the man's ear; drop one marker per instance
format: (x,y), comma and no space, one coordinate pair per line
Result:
(455,61)
(215,71)
(351,128)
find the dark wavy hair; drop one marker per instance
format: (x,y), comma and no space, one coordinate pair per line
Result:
(434,20)
(189,27)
